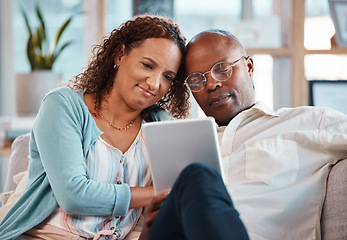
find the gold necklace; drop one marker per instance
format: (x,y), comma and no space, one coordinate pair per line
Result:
(118,128)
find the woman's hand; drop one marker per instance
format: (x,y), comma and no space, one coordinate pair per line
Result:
(151,212)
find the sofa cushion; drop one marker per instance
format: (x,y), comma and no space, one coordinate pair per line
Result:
(334,215)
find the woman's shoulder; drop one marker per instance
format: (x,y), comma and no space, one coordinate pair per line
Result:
(65,98)
(66,103)
(65,92)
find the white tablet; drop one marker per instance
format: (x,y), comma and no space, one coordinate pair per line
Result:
(172,145)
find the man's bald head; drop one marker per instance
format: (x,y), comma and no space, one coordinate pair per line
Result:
(221,99)
(219,35)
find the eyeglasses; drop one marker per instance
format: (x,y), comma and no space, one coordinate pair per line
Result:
(221,72)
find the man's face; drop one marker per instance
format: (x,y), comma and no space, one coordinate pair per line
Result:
(221,100)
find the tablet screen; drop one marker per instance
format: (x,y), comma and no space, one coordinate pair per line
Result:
(173,145)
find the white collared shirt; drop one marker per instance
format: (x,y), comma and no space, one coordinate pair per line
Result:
(276,165)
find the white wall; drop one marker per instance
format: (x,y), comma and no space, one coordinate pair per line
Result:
(7,82)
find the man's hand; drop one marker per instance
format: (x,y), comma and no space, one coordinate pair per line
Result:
(151,212)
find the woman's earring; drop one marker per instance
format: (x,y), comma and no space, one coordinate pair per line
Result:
(115,67)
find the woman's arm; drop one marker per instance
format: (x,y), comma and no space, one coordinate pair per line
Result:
(62,136)
(141,196)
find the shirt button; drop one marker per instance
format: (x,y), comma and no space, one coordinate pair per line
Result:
(112,228)
(121,160)
(119,182)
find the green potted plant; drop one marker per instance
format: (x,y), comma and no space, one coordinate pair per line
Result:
(38,50)
(32,87)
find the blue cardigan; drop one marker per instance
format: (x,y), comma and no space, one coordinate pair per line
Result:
(57,168)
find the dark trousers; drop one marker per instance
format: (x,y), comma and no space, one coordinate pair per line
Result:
(198,207)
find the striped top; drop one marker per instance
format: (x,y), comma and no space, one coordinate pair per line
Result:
(107,164)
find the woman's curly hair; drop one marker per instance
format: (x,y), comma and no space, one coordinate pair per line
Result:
(99,74)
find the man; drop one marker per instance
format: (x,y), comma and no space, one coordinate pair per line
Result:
(275,163)
(222,100)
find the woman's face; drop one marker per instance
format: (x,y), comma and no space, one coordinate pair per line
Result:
(146,72)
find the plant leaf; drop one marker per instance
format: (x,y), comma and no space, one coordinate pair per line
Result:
(61,30)
(35,44)
(48,64)
(30,52)
(42,27)
(63,27)
(26,21)
(38,52)
(57,53)
(40,38)
(42,60)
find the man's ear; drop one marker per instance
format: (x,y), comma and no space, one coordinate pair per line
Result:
(250,66)
(120,55)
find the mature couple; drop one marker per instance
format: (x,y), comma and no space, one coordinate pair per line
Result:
(89,176)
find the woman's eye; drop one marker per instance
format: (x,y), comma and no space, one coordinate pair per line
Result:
(147,65)
(169,77)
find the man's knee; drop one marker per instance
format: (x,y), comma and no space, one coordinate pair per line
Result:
(198,171)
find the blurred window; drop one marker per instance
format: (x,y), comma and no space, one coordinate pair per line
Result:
(319,29)
(55,13)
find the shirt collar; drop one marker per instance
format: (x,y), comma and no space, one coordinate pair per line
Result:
(262,107)
(259,107)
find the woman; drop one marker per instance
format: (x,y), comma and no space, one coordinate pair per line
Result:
(88,174)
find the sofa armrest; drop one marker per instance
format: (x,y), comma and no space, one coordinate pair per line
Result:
(334,213)
(18,161)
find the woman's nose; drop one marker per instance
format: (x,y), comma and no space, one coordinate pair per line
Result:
(153,81)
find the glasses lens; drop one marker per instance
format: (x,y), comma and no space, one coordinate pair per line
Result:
(196,82)
(221,71)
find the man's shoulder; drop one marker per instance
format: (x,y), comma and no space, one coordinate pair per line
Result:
(300,109)
(312,113)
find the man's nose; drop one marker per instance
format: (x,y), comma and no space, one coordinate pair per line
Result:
(211,83)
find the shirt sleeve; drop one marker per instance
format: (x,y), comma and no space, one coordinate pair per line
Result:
(59,134)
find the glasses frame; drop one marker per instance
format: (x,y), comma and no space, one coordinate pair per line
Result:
(204,77)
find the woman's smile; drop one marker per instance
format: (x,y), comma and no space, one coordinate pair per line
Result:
(145,92)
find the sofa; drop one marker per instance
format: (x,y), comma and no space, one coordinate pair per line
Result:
(334,212)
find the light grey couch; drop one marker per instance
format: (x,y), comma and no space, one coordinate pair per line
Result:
(334,214)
